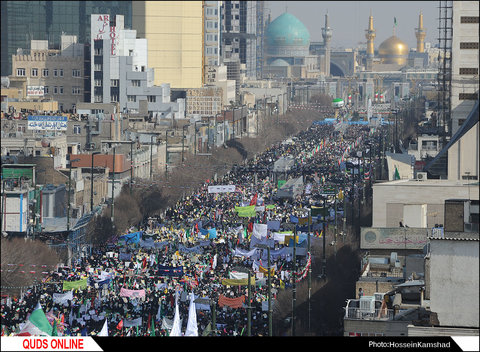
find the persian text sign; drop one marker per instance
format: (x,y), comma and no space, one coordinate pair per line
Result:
(47,123)
(35,91)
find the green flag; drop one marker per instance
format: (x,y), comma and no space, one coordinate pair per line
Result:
(152,327)
(37,324)
(246,212)
(75,285)
(397,174)
(54,330)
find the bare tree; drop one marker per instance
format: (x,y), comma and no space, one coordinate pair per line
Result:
(24,263)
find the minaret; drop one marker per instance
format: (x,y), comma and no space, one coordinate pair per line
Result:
(420,33)
(370,35)
(327,36)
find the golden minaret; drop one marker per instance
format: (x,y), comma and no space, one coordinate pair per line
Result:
(370,35)
(420,33)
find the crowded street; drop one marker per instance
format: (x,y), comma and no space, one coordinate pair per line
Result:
(209,245)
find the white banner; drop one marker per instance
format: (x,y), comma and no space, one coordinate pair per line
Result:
(63,298)
(221,189)
(35,91)
(260,231)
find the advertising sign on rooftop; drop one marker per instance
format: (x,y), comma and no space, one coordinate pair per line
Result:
(47,123)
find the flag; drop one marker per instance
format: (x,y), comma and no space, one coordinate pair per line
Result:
(246,212)
(254,200)
(152,327)
(37,324)
(176,328)
(396,176)
(192,327)
(104,331)
(54,329)
(395,21)
(120,325)
(293,219)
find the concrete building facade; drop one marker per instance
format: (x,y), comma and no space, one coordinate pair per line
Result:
(174,31)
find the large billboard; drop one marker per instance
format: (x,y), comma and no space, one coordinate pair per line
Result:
(47,123)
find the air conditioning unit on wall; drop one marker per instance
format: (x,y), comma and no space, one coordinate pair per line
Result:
(421,176)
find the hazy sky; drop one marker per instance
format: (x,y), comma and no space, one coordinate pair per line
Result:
(349,19)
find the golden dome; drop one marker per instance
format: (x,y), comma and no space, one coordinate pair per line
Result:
(393,51)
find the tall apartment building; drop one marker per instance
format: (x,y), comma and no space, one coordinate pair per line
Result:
(120,69)
(51,74)
(174,30)
(465,58)
(239,34)
(211,29)
(23,21)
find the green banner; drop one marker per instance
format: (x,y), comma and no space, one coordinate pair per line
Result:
(75,285)
(246,212)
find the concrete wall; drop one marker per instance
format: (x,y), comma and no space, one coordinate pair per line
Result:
(433,193)
(463,156)
(454,273)
(375,327)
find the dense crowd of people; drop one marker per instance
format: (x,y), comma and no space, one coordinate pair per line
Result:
(204,246)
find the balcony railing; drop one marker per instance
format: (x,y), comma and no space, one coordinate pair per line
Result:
(378,314)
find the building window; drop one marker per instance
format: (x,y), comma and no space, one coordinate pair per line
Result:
(98,98)
(97,67)
(98,52)
(468,96)
(135,83)
(98,83)
(114,98)
(60,72)
(469,19)
(114,82)
(45,72)
(77,129)
(45,89)
(34,72)
(76,90)
(60,90)
(131,98)
(55,90)
(469,45)
(55,72)
(76,73)
(151,98)
(21,72)
(468,71)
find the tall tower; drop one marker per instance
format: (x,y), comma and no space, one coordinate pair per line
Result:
(420,33)
(370,35)
(327,36)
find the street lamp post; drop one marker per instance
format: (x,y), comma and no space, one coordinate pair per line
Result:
(113,188)
(183,140)
(69,191)
(91,182)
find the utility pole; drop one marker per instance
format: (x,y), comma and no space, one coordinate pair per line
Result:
(131,166)
(113,190)
(249,310)
(270,330)
(151,156)
(294,278)
(91,182)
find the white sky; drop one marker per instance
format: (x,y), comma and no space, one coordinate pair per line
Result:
(349,19)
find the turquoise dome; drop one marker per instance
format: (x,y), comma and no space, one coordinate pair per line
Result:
(287,30)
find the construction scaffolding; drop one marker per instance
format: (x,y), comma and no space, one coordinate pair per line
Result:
(444,80)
